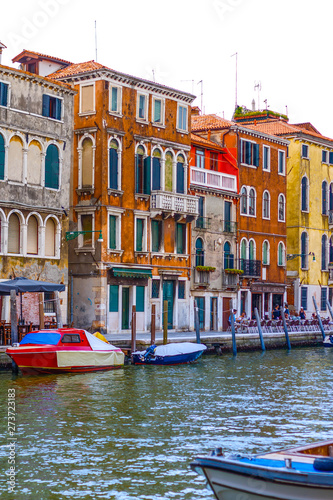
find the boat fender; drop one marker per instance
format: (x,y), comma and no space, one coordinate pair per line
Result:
(323,464)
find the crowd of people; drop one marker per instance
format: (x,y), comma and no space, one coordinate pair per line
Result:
(276,314)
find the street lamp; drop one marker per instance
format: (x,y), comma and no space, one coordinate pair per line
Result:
(291,256)
(71,235)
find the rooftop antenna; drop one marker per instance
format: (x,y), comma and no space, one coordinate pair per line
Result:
(201,81)
(95,42)
(286,110)
(257,86)
(235,54)
(153,75)
(192,84)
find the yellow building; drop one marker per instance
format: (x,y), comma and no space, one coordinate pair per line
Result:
(309,214)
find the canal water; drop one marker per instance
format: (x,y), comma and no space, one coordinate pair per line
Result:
(131,434)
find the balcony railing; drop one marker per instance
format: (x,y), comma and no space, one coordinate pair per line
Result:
(174,202)
(229,226)
(203,222)
(214,180)
(251,268)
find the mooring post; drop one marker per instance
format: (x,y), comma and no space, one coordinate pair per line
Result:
(133,329)
(165,322)
(13,325)
(330,309)
(41,311)
(283,316)
(196,322)
(153,324)
(233,333)
(319,318)
(57,309)
(256,313)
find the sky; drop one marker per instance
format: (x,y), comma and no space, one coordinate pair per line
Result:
(284,47)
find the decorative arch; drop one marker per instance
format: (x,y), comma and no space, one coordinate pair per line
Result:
(265,253)
(281,208)
(199,252)
(15,220)
(15,158)
(52,236)
(305,194)
(304,250)
(281,254)
(228,256)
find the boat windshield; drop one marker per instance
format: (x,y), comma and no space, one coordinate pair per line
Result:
(41,338)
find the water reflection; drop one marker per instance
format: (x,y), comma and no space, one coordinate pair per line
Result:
(131,433)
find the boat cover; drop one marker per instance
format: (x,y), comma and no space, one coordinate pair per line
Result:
(176,348)
(41,338)
(98,345)
(90,358)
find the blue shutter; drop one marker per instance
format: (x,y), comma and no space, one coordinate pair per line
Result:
(304,193)
(331,157)
(241,151)
(2,158)
(58,109)
(113,168)
(256,154)
(140,299)
(46,105)
(248,152)
(180,178)
(112,232)
(52,167)
(180,238)
(3,94)
(157,111)
(114,99)
(113,298)
(146,181)
(156,185)
(184,119)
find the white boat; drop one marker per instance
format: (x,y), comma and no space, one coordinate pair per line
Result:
(169,354)
(301,473)
(328,341)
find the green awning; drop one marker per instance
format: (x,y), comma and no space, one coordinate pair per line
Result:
(123,272)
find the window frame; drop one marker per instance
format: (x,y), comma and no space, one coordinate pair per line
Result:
(324,152)
(91,112)
(305,149)
(8,85)
(80,239)
(268,203)
(117,214)
(254,153)
(118,111)
(199,155)
(180,126)
(142,217)
(268,149)
(56,99)
(281,154)
(162,120)
(282,196)
(145,108)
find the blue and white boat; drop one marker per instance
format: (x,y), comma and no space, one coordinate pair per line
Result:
(328,341)
(169,354)
(302,473)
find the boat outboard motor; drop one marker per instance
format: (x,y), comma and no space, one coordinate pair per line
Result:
(149,352)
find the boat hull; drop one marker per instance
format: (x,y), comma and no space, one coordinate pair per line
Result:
(328,341)
(167,360)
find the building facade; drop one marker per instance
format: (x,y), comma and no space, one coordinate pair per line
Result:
(36,124)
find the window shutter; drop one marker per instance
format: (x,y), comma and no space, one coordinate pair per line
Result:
(114,99)
(46,105)
(256,154)
(113,298)
(156,174)
(146,166)
(58,109)
(139,234)
(87,164)
(241,151)
(32,236)
(52,167)
(248,153)
(155,235)
(2,157)
(3,94)
(157,111)
(50,238)
(180,178)
(112,232)
(180,238)
(87,98)
(14,234)
(140,299)
(113,158)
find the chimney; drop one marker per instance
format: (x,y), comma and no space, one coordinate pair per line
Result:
(253,105)
(195,111)
(2,46)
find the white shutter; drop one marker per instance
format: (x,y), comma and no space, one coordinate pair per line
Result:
(14,234)
(50,238)
(32,247)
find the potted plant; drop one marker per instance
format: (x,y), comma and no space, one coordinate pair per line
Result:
(234,271)
(208,269)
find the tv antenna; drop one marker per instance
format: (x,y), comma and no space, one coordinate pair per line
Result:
(201,81)
(95,41)
(235,54)
(257,86)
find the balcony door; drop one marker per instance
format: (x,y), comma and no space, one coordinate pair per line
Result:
(125,309)
(227,216)
(168,295)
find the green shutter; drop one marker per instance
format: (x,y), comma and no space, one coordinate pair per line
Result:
(140,299)
(113,168)
(58,109)
(114,99)
(2,158)
(155,239)
(256,154)
(52,167)
(3,94)
(113,299)
(146,182)
(180,238)
(139,234)
(112,232)
(46,105)
(180,178)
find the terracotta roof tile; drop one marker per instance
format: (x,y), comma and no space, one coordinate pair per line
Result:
(282,128)
(29,53)
(77,69)
(209,122)
(197,139)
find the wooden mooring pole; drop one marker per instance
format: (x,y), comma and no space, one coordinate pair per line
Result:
(133,329)
(13,325)
(153,324)
(319,318)
(196,322)
(233,333)
(285,328)
(165,322)
(263,348)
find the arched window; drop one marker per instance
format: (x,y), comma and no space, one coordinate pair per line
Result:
(304,195)
(32,236)
(331,250)
(252,202)
(87,163)
(168,171)
(156,181)
(50,238)
(180,185)
(324,252)
(304,250)
(228,256)
(52,167)
(14,234)
(252,252)
(15,159)
(266,205)
(281,254)
(113,164)
(199,253)
(243,249)
(244,200)
(2,158)
(142,178)
(324,198)
(265,253)
(34,165)
(281,208)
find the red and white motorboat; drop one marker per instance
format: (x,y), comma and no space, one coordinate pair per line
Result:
(64,350)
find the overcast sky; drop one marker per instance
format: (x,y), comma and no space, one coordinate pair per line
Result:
(285,46)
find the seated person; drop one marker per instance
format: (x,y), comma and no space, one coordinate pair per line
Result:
(302,314)
(276,312)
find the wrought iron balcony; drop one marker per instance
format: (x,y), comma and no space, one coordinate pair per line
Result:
(251,268)
(229,226)
(174,203)
(203,222)
(213,180)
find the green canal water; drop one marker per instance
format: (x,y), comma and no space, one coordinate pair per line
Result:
(132,433)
